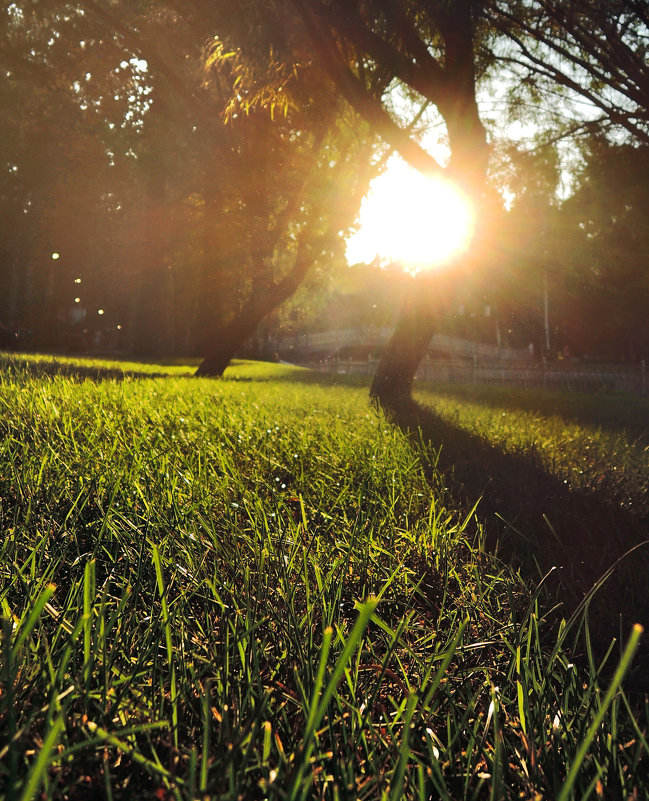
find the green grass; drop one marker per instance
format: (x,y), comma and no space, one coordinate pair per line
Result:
(79,367)
(594,443)
(250,589)
(615,411)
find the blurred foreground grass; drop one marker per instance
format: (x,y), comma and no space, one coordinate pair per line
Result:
(248,588)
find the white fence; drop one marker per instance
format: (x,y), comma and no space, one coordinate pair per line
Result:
(374,337)
(552,375)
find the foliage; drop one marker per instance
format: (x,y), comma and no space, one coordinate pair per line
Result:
(607,280)
(582,50)
(194,220)
(52,165)
(186,231)
(582,255)
(250,589)
(424,48)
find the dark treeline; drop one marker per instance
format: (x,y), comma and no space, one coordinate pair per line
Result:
(158,198)
(138,213)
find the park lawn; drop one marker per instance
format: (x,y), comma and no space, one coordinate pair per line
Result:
(249,588)
(596,443)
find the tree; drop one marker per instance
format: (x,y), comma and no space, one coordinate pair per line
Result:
(294,198)
(606,253)
(54,168)
(246,207)
(437,51)
(271,183)
(529,246)
(586,50)
(588,60)
(428,48)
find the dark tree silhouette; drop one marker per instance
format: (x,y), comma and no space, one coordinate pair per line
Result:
(220,213)
(437,51)
(429,48)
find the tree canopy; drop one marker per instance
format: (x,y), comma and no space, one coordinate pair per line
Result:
(192,161)
(430,51)
(584,50)
(213,217)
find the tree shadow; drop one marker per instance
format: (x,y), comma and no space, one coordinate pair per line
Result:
(535,521)
(614,412)
(16,367)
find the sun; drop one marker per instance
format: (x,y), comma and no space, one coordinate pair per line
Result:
(419,222)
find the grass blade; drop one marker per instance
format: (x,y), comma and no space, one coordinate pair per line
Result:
(623,666)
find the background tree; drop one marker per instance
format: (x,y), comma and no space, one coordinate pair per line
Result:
(194,229)
(529,241)
(579,50)
(607,219)
(217,223)
(44,144)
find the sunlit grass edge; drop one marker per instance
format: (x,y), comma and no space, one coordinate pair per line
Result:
(594,443)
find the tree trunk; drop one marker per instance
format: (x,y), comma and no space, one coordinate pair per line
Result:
(225,340)
(395,373)
(392,384)
(393,380)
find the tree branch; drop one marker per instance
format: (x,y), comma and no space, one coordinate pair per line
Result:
(356,94)
(428,78)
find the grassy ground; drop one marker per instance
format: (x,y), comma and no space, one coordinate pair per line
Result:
(259,588)
(608,411)
(563,479)
(598,443)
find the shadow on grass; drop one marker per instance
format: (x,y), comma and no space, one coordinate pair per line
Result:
(615,412)
(530,516)
(239,371)
(42,368)
(534,520)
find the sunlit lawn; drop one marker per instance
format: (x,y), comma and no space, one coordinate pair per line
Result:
(248,588)
(593,442)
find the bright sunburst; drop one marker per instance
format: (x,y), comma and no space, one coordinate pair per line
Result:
(419,222)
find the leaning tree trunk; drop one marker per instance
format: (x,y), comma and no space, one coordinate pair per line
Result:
(467,168)
(393,380)
(431,296)
(225,340)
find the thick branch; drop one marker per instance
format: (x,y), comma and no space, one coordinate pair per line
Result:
(428,78)
(356,94)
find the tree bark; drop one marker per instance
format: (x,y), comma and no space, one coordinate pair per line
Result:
(393,381)
(394,377)
(392,385)
(226,340)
